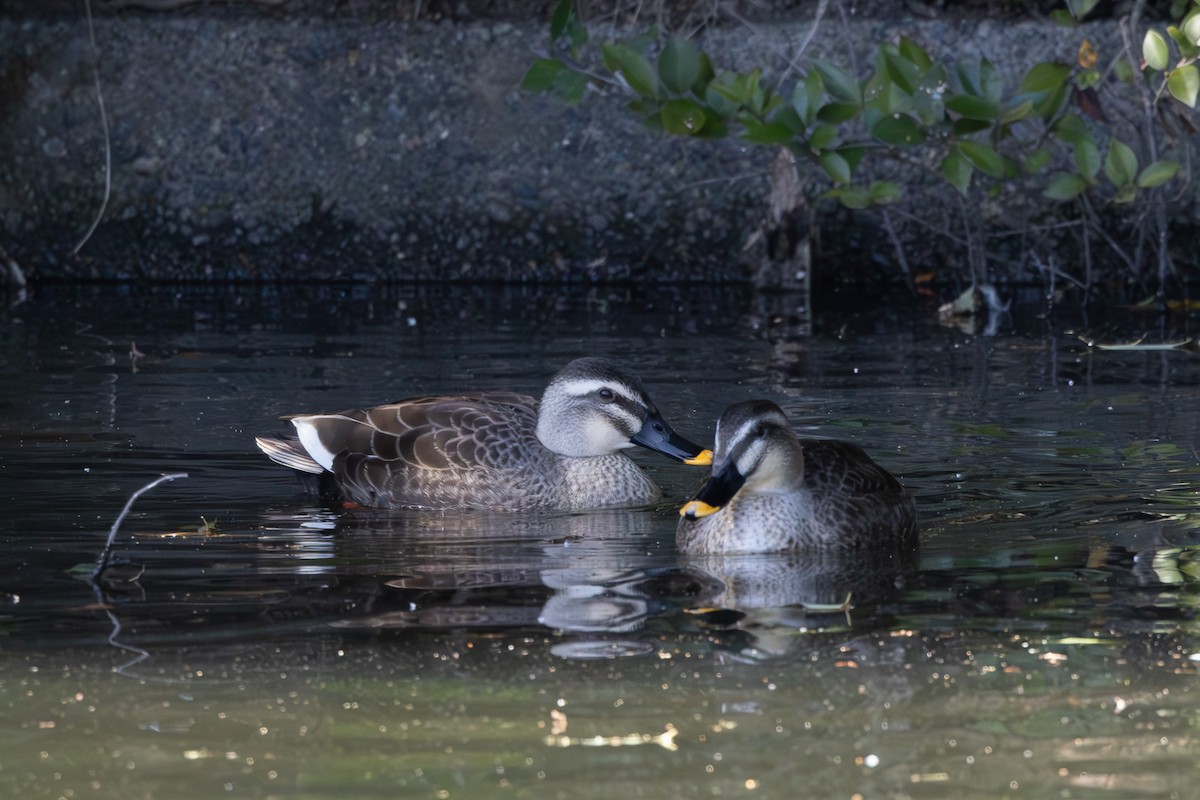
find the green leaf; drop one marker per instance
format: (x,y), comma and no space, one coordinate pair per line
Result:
(1071,129)
(683,117)
(1016,113)
(541,74)
(1087,159)
(980,80)
(966,127)
(915,53)
(837,113)
(563,22)
(835,166)
(1157,173)
(1065,186)
(1037,161)
(1048,76)
(1184,84)
(679,65)
(893,100)
(973,107)
(788,117)
(723,95)
(984,158)
(1126,194)
(1050,103)
(840,84)
(905,73)
(990,82)
(634,68)
(1081,8)
(1123,70)
(853,155)
(928,102)
(1155,50)
(1121,164)
(1060,16)
(714,127)
(884,192)
(800,101)
(704,77)
(564,12)
(852,197)
(570,86)
(957,170)
(765,133)
(900,129)
(1191,29)
(822,137)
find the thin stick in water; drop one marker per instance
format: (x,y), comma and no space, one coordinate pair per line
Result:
(102,562)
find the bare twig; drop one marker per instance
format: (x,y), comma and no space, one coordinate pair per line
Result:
(1093,223)
(973,256)
(1147,129)
(804,43)
(102,564)
(898,247)
(105,555)
(10,270)
(849,38)
(87,5)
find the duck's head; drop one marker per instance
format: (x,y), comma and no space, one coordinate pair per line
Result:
(595,407)
(756,451)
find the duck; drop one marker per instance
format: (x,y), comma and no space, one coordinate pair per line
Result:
(770,491)
(493,450)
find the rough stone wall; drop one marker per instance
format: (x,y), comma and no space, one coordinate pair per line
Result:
(268,146)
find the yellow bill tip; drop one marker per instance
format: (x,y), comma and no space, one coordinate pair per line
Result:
(698,508)
(702,459)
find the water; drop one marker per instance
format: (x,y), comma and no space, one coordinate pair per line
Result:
(1044,645)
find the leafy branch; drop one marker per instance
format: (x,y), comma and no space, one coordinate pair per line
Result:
(960,117)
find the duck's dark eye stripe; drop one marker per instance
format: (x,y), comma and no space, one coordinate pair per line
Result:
(629,407)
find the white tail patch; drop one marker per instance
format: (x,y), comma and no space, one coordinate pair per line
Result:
(310,440)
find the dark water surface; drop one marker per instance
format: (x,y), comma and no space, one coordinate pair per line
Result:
(1045,645)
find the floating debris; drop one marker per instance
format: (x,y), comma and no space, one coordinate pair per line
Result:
(1140,344)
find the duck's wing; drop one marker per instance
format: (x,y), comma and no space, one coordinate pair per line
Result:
(426,433)
(857,497)
(844,469)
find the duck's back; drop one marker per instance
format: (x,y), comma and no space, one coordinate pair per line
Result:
(853,501)
(464,451)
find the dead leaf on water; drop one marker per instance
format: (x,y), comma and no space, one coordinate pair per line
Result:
(1142,345)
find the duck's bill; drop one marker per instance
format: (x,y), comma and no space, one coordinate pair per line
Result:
(716,492)
(658,436)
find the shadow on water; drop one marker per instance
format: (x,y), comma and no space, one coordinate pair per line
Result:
(1042,642)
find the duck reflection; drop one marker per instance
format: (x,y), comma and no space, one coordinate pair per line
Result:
(770,598)
(597,581)
(569,572)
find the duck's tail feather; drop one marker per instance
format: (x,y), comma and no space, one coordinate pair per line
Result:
(289,453)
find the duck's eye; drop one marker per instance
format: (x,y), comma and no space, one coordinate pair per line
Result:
(606,394)
(759,431)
